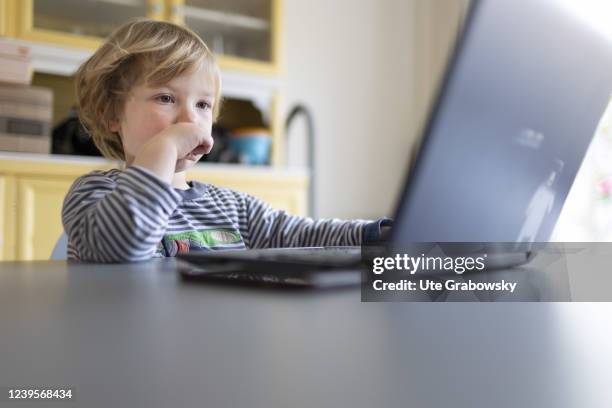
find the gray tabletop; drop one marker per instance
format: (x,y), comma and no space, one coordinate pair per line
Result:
(136,335)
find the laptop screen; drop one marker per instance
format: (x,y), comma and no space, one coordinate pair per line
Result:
(521,100)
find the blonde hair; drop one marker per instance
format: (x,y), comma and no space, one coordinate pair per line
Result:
(140,51)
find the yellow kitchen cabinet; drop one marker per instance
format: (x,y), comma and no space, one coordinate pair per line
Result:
(32,210)
(245,34)
(8,213)
(32,192)
(3,14)
(39,207)
(73,23)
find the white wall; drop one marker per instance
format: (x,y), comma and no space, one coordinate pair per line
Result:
(366,69)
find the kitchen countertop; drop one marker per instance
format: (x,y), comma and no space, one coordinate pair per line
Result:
(102,162)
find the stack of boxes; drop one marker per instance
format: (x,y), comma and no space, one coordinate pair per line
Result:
(25,111)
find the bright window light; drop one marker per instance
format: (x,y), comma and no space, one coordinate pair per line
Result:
(596,13)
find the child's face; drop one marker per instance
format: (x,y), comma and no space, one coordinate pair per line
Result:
(150,109)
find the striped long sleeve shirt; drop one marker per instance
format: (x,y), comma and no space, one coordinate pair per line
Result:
(131,215)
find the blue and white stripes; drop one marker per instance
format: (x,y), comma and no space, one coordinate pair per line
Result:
(124,216)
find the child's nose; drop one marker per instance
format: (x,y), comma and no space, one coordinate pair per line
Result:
(186,114)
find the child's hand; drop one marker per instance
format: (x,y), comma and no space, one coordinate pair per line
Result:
(168,151)
(191,141)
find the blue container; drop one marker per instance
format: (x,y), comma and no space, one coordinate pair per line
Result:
(251,147)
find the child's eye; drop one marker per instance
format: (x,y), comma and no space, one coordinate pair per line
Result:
(204,105)
(164,98)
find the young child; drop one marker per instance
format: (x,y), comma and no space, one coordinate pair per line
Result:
(149,96)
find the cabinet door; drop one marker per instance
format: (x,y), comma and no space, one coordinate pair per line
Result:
(8,214)
(243,33)
(75,22)
(3,14)
(39,223)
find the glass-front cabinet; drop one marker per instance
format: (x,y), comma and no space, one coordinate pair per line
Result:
(76,23)
(244,34)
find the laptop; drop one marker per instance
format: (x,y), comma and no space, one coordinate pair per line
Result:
(520,101)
